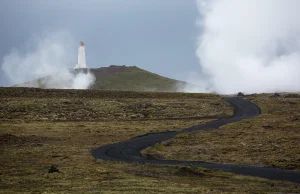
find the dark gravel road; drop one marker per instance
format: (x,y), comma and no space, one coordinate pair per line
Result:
(130,150)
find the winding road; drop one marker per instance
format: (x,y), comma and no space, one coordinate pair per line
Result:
(130,150)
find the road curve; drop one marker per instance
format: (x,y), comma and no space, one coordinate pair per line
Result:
(130,150)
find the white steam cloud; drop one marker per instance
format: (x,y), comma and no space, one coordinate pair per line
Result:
(49,55)
(250,45)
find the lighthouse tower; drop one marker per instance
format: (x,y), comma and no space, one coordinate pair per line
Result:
(81,57)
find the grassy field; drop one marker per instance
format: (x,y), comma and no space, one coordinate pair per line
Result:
(271,139)
(58,128)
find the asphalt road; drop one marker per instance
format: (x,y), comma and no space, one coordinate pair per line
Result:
(130,150)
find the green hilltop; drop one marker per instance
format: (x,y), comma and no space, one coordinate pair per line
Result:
(126,78)
(132,78)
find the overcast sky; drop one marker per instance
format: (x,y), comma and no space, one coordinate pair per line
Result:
(156,35)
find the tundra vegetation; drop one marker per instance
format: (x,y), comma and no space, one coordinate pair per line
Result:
(46,137)
(270,139)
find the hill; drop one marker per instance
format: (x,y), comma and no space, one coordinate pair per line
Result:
(115,77)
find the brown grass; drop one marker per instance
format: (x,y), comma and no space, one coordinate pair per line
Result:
(32,140)
(271,139)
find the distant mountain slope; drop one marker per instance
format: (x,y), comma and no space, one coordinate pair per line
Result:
(121,78)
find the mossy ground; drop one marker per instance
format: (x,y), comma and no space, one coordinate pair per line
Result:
(133,79)
(118,78)
(44,128)
(271,139)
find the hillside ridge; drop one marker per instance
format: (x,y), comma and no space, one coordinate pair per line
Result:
(125,78)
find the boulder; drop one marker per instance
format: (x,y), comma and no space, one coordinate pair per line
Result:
(275,95)
(240,94)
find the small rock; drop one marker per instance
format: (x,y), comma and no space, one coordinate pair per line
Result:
(53,169)
(243,143)
(267,126)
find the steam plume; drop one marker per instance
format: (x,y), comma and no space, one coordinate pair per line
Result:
(250,45)
(49,55)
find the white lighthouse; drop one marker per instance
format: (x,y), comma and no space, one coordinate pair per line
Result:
(81,57)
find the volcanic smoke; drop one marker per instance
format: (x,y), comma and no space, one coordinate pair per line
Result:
(250,45)
(49,56)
